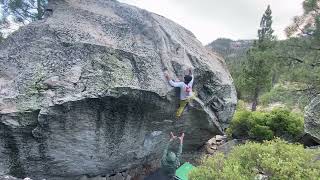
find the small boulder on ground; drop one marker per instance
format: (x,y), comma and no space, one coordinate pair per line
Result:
(312,122)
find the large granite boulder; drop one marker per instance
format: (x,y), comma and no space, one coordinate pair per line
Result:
(312,122)
(82,92)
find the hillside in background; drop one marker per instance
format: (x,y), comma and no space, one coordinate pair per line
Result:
(289,88)
(230,49)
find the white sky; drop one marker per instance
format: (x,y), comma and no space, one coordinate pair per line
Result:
(234,19)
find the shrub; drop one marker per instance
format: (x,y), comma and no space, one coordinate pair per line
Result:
(260,132)
(285,124)
(241,105)
(265,125)
(276,159)
(240,124)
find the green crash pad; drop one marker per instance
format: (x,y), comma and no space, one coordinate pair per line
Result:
(182,171)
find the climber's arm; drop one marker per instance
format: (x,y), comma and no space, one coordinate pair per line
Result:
(173,83)
(164,156)
(176,84)
(191,74)
(180,146)
(165,152)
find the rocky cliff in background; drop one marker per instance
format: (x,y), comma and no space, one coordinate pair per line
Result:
(83,91)
(229,49)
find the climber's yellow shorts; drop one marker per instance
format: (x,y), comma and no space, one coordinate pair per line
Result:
(183,104)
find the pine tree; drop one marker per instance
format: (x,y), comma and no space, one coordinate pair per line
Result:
(256,74)
(265,33)
(308,24)
(22,11)
(302,50)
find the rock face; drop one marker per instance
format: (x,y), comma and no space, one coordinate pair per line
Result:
(312,121)
(82,92)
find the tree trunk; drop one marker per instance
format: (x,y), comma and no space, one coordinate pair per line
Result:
(255,100)
(49,8)
(39,10)
(274,78)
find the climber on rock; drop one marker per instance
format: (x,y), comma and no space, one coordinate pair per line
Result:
(186,94)
(170,160)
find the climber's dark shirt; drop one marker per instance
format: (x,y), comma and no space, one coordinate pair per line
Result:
(169,167)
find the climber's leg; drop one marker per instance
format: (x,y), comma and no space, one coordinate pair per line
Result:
(190,100)
(182,105)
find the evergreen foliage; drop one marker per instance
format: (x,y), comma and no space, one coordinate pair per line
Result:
(20,12)
(255,77)
(261,126)
(23,11)
(276,159)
